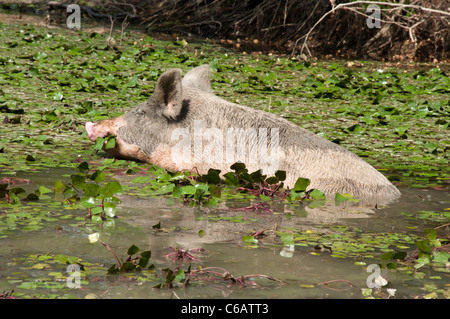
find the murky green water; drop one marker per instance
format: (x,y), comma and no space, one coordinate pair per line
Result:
(30,266)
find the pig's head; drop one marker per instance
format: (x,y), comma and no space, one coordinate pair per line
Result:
(143,133)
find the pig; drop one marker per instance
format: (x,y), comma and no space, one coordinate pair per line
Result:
(183,125)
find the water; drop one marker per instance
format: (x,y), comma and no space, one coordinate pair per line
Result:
(29,264)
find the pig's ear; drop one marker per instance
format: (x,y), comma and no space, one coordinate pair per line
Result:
(168,93)
(198,78)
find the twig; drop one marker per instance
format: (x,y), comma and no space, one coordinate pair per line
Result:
(326,283)
(448,224)
(347,7)
(200,23)
(110,41)
(412,6)
(125,23)
(126,4)
(226,275)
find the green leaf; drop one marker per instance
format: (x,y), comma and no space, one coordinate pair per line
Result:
(146,254)
(249,239)
(91,189)
(141,179)
(341,198)
(14,199)
(200,191)
(231,179)
(132,250)
(246,177)
(431,146)
(70,192)
(32,196)
(430,233)
(111,142)
(423,259)
(272,180)
(301,184)
(143,261)
(44,190)
(98,176)
(78,180)
(400,255)
(295,196)
(424,245)
(180,276)
(177,191)
(188,190)
(109,209)
(169,277)
(317,194)
(215,191)
(16,190)
(165,177)
(33,72)
(237,167)
(83,167)
(128,266)
(256,176)
(387,256)
(281,175)
(88,203)
(96,211)
(111,188)
(441,256)
(59,187)
(166,189)
(96,219)
(287,238)
(99,143)
(212,177)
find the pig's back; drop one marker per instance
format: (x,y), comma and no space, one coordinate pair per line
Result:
(330,167)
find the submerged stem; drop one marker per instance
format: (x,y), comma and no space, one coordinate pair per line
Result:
(117,258)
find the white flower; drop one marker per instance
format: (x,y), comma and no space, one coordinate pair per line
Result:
(391,292)
(287,251)
(93,238)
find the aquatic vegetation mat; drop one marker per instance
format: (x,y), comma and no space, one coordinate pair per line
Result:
(395,116)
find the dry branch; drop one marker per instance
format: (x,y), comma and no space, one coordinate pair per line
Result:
(409,24)
(347,6)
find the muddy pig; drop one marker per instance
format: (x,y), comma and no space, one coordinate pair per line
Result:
(183,125)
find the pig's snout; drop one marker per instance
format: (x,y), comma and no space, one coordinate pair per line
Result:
(89,126)
(103,128)
(94,131)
